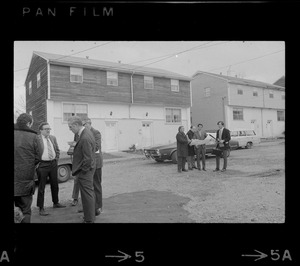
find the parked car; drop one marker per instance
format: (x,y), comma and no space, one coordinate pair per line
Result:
(246,138)
(160,153)
(63,170)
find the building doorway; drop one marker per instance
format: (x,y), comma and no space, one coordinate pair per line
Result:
(111,141)
(269,127)
(147,138)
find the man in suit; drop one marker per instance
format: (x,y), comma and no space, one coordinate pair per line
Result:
(84,165)
(25,161)
(182,149)
(223,137)
(191,149)
(48,154)
(200,149)
(87,123)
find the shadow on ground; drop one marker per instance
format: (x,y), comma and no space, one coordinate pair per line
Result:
(148,206)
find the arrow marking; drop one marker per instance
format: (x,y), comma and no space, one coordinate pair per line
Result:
(124,256)
(260,255)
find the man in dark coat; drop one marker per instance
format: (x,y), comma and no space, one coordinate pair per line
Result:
(191,149)
(25,161)
(182,149)
(87,123)
(200,149)
(84,165)
(223,137)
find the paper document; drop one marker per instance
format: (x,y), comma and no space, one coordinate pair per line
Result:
(200,142)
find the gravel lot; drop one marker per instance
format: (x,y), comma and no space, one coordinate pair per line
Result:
(252,190)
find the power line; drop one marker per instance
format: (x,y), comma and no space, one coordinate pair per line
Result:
(251,59)
(71,54)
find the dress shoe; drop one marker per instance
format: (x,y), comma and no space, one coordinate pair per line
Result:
(217,169)
(74,202)
(199,169)
(195,167)
(223,170)
(191,169)
(80,210)
(58,205)
(204,169)
(184,170)
(43,212)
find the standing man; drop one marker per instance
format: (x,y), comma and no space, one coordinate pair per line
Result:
(191,149)
(48,154)
(84,166)
(223,138)
(182,149)
(200,149)
(87,123)
(25,161)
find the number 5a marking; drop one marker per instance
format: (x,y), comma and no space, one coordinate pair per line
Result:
(139,254)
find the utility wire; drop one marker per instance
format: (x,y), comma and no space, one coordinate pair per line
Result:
(71,54)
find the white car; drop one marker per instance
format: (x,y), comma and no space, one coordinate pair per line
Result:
(245,137)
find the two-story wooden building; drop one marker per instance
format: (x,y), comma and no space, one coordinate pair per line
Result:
(126,103)
(240,103)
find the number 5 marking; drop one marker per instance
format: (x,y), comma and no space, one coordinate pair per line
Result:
(139,254)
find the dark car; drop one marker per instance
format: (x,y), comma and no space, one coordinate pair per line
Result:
(161,153)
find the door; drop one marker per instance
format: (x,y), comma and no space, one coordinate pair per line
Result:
(269,128)
(111,142)
(146,134)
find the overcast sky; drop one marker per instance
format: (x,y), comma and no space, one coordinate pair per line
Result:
(262,60)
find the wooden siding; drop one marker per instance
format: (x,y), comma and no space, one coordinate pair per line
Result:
(161,94)
(95,89)
(36,101)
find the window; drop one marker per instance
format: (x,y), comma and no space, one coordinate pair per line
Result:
(240,92)
(271,95)
(76,75)
(238,114)
(207,92)
(174,85)
(255,93)
(112,78)
(148,82)
(173,115)
(250,133)
(283,96)
(30,87)
(38,80)
(70,109)
(242,133)
(280,116)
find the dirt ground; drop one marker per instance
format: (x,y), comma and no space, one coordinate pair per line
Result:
(252,190)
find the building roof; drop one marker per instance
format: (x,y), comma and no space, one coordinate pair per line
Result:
(106,65)
(241,81)
(280,82)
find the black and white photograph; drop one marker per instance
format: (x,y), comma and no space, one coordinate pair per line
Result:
(163,125)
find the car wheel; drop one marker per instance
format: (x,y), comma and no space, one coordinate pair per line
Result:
(159,160)
(63,173)
(249,145)
(174,157)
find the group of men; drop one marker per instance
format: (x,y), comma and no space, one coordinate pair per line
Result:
(39,153)
(186,151)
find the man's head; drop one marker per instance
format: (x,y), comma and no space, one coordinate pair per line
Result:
(200,126)
(75,124)
(220,124)
(181,129)
(86,122)
(193,128)
(24,120)
(44,129)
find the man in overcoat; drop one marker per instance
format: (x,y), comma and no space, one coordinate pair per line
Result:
(25,161)
(223,137)
(182,149)
(84,165)
(87,123)
(191,149)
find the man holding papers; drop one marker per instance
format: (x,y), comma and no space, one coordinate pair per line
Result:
(200,149)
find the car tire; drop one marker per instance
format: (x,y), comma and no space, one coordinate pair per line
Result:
(174,157)
(159,160)
(63,173)
(249,145)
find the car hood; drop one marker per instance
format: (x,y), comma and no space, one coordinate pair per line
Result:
(159,147)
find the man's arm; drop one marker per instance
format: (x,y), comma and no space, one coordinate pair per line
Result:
(87,153)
